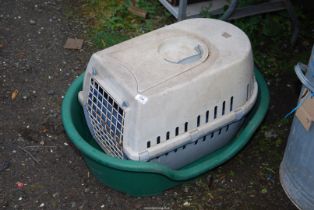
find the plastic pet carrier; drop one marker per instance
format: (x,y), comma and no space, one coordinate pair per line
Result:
(172,95)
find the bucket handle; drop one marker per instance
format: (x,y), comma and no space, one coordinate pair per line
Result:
(300,69)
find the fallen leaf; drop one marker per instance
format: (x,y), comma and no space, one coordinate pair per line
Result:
(14,94)
(44,130)
(19,185)
(211,197)
(264,190)
(21,55)
(137,11)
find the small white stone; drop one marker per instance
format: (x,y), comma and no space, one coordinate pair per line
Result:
(41,205)
(55,194)
(186,203)
(66,144)
(32,22)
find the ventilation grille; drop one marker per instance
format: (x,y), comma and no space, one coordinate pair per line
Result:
(200,120)
(106,118)
(208,137)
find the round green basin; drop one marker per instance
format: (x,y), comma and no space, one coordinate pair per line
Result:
(144,178)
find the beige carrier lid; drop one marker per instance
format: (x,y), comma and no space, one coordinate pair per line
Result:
(163,54)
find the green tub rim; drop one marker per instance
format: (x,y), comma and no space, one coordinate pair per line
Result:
(188,172)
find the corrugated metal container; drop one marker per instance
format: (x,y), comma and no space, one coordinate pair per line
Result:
(297,167)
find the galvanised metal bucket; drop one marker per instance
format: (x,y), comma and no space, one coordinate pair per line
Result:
(297,167)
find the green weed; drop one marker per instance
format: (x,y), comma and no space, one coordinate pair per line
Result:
(111,22)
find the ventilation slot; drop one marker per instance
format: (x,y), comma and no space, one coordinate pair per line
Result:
(223,108)
(158,140)
(186,126)
(207,117)
(231,103)
(177,131)
(148,144)
(215,112)
(247,91)
(168,135)
(198,120)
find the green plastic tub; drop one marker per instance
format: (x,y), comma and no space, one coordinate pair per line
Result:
(143,178)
